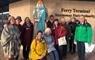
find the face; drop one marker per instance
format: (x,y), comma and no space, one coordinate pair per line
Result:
(62,20)
(39,35)
(73,20)
(48,33)
(81,19)
(18,21)
(27,20)
(12,21)
(40,4)
(56,23)
(52,18)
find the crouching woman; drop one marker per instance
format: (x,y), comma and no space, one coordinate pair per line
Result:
(52,52)
(38,48)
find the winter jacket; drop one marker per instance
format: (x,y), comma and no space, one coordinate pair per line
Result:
(83,33)
(38,49)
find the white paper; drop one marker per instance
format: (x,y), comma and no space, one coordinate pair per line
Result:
(89,49)
(62,41)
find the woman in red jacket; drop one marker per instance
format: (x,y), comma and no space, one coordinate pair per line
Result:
(59,33)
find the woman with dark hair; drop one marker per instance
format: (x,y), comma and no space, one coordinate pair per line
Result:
(10,39)
(27,36)
(55,32)
(59,33)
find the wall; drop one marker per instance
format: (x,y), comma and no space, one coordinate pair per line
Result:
(21,8)
(25,8)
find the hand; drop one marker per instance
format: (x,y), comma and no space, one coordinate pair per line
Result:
(75,42)
(41,57)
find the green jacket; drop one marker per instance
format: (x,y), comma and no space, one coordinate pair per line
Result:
(83,33)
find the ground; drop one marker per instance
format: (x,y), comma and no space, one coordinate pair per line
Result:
(90,56)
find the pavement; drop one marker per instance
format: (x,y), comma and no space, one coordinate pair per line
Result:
(90,56)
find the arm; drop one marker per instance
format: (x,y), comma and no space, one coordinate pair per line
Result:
(5,36)
(45,50)
(89,34)
(76,33)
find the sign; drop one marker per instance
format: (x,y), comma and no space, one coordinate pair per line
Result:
(74,12)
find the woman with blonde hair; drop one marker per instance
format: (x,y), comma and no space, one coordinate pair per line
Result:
(52,52)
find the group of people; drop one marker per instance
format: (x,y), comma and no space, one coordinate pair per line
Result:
(54,41)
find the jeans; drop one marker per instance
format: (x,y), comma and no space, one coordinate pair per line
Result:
(54,55)
(62,51)
(81,50)
(72,46)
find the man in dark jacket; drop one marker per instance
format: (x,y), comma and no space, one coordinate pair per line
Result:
(50,21)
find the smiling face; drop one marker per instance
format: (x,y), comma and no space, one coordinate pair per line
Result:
(81,19)
(39,35)
(11,20)
(62,20)
(18,21)
(27,20)
(56,23)
(48,31)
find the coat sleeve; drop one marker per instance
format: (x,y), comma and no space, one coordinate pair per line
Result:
(5,36)
(33,54)
(45,50)
(89,34)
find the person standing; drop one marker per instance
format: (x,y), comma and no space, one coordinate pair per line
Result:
(50,45)
(59,32)
(27,36)
(83,34)
(38,48)
(50,22)
(63,33)
(72,25)
(18,21)
(10,39)
(55,33)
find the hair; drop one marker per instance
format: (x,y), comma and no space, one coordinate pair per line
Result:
(39,32)
(18,18)
(51,16)
(48,29)
(55,20)
(9,18)
(26,19)
(82,16)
